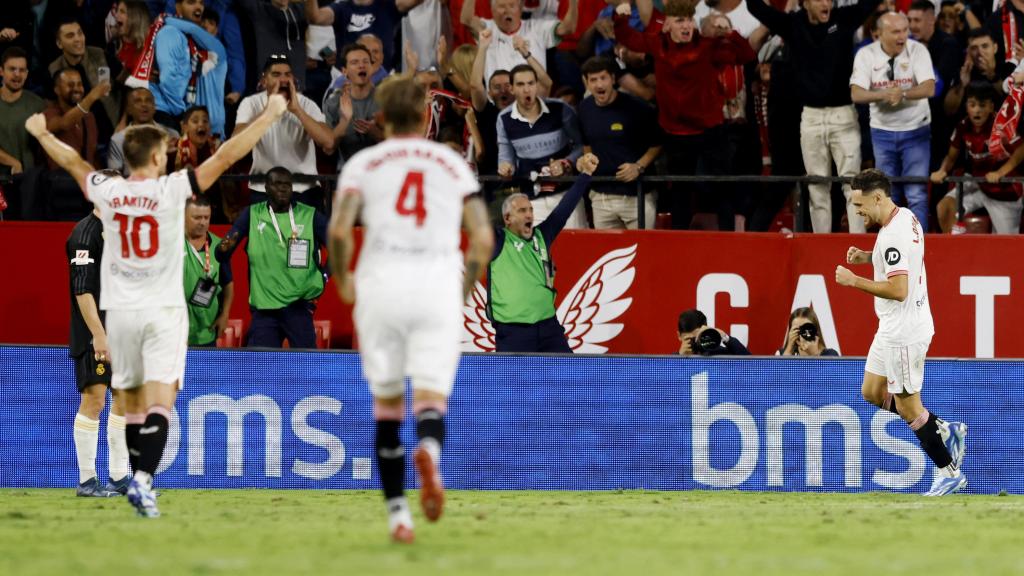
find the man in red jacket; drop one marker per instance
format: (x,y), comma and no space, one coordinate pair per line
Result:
(690,98)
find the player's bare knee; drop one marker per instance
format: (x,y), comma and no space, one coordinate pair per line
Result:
(909,406)
(93,399)
(429,400)
(873,389)
(389,407)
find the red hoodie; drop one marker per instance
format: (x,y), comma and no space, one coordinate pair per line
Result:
(690,96)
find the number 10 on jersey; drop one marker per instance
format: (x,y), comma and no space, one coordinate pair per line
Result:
(131,227)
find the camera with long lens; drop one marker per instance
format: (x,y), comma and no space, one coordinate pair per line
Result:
(708,343)
(808,332)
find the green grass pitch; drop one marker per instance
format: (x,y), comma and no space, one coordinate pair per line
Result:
(621,533)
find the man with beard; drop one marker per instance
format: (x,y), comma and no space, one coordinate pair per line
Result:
(285,276)
(88,60)
(16,105)
(139,110)
(68,118)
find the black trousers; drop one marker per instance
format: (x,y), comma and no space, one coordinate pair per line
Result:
(544,336)
(706,153)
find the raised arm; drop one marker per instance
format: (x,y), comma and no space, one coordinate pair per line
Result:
(468,17)
(776,21)
(568,24)
(554,223)
(317,15)
(317,130)
(406,5)
(72,116)
(240,144)
(481,242)
(630,38)
(477,82)
(65,156)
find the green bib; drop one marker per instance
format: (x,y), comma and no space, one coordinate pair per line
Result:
(522,281)
(273,283)
(201,330)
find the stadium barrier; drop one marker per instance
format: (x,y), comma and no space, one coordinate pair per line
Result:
(249,419)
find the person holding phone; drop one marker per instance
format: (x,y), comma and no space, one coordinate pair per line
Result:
(92,66)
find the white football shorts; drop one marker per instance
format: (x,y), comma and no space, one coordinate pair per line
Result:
(408,324)
(147,346)
(902,366)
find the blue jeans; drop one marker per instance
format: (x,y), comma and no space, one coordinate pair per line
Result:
(905,154)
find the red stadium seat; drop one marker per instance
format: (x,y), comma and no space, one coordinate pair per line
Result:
(232,338)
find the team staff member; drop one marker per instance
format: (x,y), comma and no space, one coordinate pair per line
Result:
(521,302)
(209,286)
(285,277)
(88,348)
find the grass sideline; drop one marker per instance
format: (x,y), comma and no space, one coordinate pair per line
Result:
(621,533)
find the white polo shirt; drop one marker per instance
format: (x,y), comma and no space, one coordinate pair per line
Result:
(540,33)
(285,144)
(913,66)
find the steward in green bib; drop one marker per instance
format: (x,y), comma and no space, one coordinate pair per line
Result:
(284,244)
(209,286)
(521,276)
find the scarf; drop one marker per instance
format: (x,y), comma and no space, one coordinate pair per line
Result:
(441,102)
(1010,35)
(188,156)
(200,61)
(1005,136)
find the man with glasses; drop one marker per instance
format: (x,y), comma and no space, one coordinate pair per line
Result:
(895,76)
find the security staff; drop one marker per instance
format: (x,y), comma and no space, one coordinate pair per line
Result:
(209,286)
(285,275)
(521,302)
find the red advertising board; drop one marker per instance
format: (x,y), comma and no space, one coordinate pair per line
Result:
(621,292)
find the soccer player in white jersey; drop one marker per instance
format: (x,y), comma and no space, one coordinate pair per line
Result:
(413,196)
(894,373)
(141,277)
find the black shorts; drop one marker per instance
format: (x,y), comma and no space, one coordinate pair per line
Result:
(89,371)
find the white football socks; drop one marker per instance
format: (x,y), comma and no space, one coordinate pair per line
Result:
(117,447)
(86,434)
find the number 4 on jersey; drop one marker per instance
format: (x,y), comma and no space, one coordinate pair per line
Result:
(413,183)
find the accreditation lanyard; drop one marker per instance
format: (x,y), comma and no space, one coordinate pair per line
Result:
(206,249)
(277,227)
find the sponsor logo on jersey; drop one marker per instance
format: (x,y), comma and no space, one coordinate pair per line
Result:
(892,256)
(82,258)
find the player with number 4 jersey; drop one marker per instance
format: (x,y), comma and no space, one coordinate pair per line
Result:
(141,279)
(894,371)
(413,196)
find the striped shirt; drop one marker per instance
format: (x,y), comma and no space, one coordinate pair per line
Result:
(529,147)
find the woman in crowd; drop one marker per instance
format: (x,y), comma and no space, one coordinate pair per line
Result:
(803,338)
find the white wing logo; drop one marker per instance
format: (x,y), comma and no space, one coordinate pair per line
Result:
(587,313)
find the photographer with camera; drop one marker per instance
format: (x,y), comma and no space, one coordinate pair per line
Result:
(696,338)
(804,336)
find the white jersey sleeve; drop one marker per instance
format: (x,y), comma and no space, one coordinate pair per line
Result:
(899,251)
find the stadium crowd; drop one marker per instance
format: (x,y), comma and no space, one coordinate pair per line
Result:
(522,88)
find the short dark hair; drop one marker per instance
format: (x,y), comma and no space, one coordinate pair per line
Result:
(522,68)
(401,103)
(139,143)
(692,319)
(274,59)
(948,3)
(870,180)
(212,15)
(65,21)
(983,92)
(199,201)
(279,171)
(499,72)
(349,48)
(599,64)
(922,5)
(56,75)
(13,52)
(192,110)
(980,33)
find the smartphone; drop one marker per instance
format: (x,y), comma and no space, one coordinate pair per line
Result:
(103,74)
(326,52)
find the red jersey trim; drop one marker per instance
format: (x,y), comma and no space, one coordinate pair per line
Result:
(897,273)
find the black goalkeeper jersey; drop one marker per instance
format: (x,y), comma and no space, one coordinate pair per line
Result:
(84,251)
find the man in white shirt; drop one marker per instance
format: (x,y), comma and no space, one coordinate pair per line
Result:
(540,34)
(289,142)
(894,371)
(142,277)
(895,76)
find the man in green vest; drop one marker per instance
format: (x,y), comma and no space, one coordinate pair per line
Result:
(209,287)
(285,275)
(521,276)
